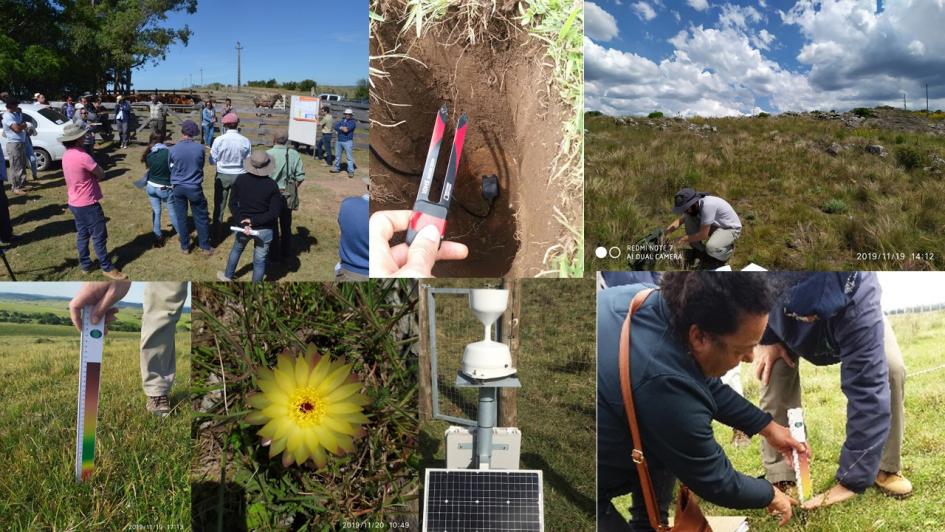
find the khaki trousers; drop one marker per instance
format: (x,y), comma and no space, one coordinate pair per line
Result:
(163,304)
(784,392)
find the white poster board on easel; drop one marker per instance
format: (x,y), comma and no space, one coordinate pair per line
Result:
(303,120)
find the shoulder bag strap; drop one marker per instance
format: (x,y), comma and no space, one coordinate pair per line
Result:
(649,497)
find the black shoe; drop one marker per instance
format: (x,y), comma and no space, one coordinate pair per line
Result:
(159,241)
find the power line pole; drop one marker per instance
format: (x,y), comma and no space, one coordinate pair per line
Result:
(201,77)
(926,99)
(239,48)
(904,101)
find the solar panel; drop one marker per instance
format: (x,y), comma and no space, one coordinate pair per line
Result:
(471,500)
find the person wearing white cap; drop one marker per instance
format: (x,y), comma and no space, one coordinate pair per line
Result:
(40,99)
(345,128)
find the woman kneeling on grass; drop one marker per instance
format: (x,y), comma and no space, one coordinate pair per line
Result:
(157,158)
(82,175)
(255,200)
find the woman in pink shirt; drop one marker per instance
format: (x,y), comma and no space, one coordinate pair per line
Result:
(82,175)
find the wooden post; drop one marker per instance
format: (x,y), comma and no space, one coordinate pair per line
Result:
(509,334)
(426,382)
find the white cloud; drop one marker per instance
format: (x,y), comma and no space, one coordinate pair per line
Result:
(644,11)
(851,57)
(739,16)
(599,24)
(698,5)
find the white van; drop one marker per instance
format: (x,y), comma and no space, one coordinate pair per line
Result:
(49,124)
(330,97)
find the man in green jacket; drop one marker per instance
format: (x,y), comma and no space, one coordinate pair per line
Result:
(288,175)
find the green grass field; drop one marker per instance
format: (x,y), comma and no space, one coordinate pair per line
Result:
(920,338)
(129,315)
(140,475)
(555,405)
(46,248)
(801,208)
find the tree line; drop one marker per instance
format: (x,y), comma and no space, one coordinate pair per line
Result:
(361,91)
(48,318)
(76,46)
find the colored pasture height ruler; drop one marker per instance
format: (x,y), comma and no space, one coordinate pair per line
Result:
(801,464)
(90,369)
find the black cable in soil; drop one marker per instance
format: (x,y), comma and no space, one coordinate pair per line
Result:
(400,171)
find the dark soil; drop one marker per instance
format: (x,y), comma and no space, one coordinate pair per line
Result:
(514,132)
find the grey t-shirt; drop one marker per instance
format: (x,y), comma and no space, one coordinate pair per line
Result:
(716,211)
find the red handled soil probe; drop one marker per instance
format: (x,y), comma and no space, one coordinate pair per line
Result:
(426,212)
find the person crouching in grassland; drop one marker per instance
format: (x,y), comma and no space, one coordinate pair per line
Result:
(712,227)
(82,175)
(256,202)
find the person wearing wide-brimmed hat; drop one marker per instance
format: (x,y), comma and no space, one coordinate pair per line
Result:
(256,202)
(82,174)
(711,224)
(345,129)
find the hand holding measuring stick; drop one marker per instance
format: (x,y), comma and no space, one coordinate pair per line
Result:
(101,297)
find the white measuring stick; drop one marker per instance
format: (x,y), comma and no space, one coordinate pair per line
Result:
(90,371)
(240,230)
(801,466)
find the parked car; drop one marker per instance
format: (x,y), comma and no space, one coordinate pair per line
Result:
(49,124)
(330,97)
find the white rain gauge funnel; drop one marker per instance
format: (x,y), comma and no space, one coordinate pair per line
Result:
(487,359)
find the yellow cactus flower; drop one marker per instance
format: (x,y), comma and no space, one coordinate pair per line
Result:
(309,406)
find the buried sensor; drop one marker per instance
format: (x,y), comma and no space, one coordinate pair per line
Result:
(490,187)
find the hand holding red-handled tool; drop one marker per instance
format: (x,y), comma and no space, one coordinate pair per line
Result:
(425,211)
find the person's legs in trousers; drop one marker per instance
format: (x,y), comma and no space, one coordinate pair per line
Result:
(155,201)
(167,197)
(337,163)
(891,462)
(239,243)
(123,133)
(198,205)
(82,235)
(163,303)
(284,243)
(782,392)
(180,208)
(17,155)
(349,147)
(260,253)
(100,236)
(221,197)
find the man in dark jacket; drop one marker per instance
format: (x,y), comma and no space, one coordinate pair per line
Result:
(830,318)
(345,129)
(696,328)
(256,201)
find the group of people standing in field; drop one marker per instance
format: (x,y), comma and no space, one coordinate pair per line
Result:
(260,188)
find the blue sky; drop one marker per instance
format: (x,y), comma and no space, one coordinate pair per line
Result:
(734,57)
(70,289)
(289,40)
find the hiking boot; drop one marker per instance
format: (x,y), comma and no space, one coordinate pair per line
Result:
(222,277)
(185,251)
(19,192)
(159,241)
(894,484)
(115,275)
(207,252)
(159,405)
(332,171)
(740,439)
